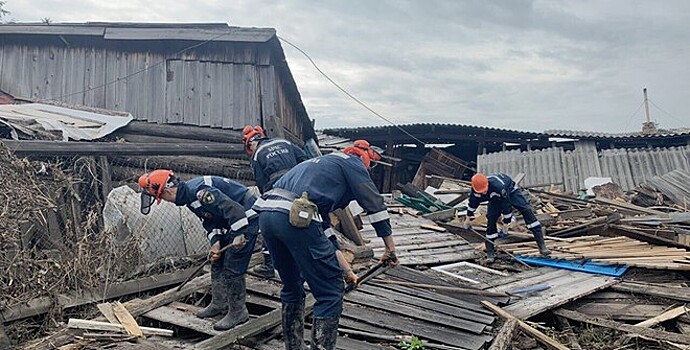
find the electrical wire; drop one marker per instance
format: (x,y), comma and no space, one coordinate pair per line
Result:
(347,93)
(632,115)
(667,113)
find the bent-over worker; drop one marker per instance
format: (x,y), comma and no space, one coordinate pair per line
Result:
(502,195)
(225,208)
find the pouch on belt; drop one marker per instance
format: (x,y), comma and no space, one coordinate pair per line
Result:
(302,212)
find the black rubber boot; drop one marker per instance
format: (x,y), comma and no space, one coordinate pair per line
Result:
(265,270)
(539,237)
(293,326)
(490,252)
(324,333)
(237,309)
(219,298)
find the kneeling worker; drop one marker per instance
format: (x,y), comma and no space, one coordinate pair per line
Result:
(500,191)
(224,206)
(293,217)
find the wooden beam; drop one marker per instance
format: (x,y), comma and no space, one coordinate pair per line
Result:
(668,315)
(44,304)
(348,226)
(111,327)
(181,132)
(248,329)
(675,293)
(534,333)
(60,148)
(505,335)
(634,330)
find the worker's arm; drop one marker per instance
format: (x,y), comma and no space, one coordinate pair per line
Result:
(300,156)
(220,205)
(259,175)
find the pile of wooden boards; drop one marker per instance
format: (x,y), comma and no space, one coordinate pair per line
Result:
(610,250)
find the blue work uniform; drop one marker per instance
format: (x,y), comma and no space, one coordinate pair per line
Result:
(332,182)
(225,208)
(272,159)
(503,196)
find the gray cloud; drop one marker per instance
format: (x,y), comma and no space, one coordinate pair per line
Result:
(520,64)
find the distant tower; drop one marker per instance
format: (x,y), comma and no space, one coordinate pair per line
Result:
(648,127)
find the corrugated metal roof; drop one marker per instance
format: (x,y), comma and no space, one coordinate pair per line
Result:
(71,124)
(604,135)
(435,125)
(145,31)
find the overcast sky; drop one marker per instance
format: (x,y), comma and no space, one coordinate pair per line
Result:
(519,64)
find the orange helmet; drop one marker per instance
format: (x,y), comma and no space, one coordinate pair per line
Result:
(152,186)
(363,150)
(251,133)
(480,183)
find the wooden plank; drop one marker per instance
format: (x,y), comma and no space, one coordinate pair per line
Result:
(54,148)
(172,315)
(126,320)
(668,315)
(424,330)
(675,293)
(423,315)
(111,327)
(433,227)
(621,311)
(576,286)
(42,305)
(537,335)
(458,290)
(505,335)
(107,310)
(248,329)
(424,304)
(348,227)
(634,330)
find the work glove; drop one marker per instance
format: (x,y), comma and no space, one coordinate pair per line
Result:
(239,242)
(214,253)
(389,259)
(505,227)
(467,224)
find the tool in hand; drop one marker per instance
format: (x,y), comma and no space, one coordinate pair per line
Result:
(201,266)
(380,268)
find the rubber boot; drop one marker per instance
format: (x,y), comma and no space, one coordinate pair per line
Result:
(237,309)
(219,298)
(324,333)
(293,326)
(265,270)
(539,237)
(490,252)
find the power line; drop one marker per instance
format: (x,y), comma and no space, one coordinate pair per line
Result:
(667,113)
(347,93)
(632,115)
(174,55)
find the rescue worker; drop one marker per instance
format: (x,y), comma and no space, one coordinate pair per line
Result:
(293,218)
(269,159)
(225,208)
(500,191)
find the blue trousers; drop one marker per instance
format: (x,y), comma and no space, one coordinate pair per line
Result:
(236,261)
(516,199)
(304,254)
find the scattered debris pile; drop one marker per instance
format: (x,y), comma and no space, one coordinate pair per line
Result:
(49,243)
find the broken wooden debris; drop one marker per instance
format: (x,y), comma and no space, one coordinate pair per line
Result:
(654,334)
(505,335)
(126,320)
(76,323)
(568,330)
(458,290)
(675,293)
(668,315)
(536,334)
